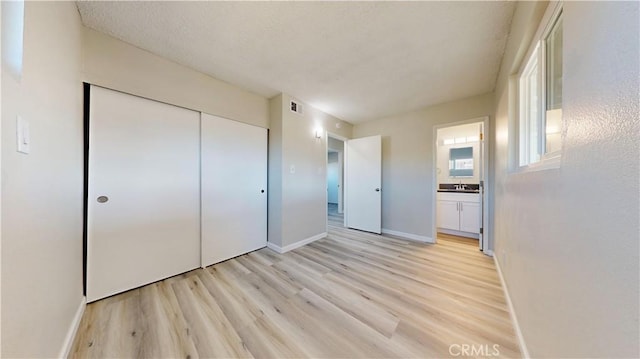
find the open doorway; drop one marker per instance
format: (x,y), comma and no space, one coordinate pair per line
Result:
(335,180)
(460,170)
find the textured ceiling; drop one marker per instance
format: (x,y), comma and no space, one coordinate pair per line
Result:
(355,60)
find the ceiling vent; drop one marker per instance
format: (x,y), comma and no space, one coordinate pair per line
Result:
(296,107)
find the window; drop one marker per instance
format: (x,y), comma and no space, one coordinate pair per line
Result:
(12,32)
(540,95)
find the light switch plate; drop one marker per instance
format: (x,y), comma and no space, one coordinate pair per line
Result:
(23,135)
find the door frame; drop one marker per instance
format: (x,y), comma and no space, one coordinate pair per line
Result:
(341,155)
(485,190)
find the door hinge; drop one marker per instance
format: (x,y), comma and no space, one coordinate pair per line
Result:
(481,136)
(481,230)
(482,184)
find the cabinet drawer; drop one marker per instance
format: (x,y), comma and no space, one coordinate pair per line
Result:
(459,197)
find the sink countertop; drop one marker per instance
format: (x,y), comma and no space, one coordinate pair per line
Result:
(451,187)
(459,190)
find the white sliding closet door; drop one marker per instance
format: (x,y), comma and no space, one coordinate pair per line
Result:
(144,192)
(234,184)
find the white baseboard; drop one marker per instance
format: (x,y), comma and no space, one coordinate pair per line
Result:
(411,236)
(523,346)
(73,329)
(274,247)
(295,245)
(488,252)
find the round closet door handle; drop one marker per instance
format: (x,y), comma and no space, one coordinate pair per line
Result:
(102,199)
(377,189)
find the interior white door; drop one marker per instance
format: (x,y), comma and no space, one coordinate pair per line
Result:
(144,192)
(234,185)
(364,183)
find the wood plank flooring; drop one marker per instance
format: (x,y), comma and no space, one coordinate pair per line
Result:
(334,218)
(349,295)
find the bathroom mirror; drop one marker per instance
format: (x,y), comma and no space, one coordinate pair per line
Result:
(461,162)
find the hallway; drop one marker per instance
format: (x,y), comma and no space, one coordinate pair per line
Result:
(334,218)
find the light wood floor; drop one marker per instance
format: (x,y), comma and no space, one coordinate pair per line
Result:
(333,217)
(349,295)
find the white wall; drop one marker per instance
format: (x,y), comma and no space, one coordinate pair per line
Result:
(407,160)
(42,191)
(299,207)
(567,239)
(275,192)
(115,64)
(332,177)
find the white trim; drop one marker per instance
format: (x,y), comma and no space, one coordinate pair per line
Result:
(345,189)
(73,329)
(343,169)
(337,137)
(546,163)
(298,244)
(274,247)
(547,160)
(326,182)
(414,237)
(516,326)
(552,11)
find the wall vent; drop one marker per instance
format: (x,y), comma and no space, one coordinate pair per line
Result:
(295,106)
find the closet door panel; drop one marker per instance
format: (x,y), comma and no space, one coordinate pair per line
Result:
(234,185)
(143,205)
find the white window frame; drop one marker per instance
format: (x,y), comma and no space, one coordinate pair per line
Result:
(537,49)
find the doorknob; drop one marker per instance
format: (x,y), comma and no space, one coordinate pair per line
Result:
(102,199)
(377,189)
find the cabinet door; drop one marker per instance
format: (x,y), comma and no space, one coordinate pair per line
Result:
(470,217)
(448,215)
